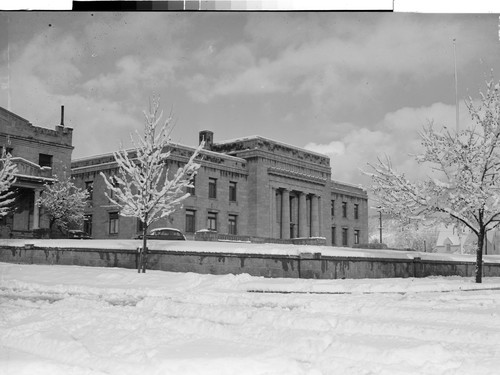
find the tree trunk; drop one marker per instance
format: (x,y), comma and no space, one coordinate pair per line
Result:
(479,256)
(142,254)
(51,227)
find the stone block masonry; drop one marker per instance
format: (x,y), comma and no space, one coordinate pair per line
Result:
(250,186)
(304,265)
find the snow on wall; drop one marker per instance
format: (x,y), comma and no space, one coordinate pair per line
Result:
(268,260)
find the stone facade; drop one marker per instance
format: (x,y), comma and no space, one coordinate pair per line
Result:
(263,189)
(40,154)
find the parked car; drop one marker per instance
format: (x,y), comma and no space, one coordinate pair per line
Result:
(78,234)
(165,234)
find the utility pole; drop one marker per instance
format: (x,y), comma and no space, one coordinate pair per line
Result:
(380,223)
(8,65)
(456,82)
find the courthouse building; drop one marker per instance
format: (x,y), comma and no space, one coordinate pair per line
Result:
(39,154)
(247,187)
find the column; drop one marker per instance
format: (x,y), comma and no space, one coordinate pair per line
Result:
(314,216)
(285,214)
(273,211)
(294,216)
(36,210)
(303,215)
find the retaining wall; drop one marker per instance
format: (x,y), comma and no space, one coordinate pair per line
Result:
(305,265)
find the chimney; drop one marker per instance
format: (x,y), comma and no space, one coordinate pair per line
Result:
(208,137)
(62,115)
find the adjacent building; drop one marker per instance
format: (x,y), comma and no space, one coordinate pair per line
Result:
(40,155)
(463,241)
(250,186)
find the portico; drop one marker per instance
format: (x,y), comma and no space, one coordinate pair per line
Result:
(295,213)
(29,184)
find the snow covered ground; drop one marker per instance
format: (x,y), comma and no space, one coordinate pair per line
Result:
(82,320)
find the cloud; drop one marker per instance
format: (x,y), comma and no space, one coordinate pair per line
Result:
(395,136)
(349,84)
(46,74)
(332,148)
(133,75)
(344,67)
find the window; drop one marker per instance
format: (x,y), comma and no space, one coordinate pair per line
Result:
(192,190)
(45,160)
(87,224)
(356,237)
(333,208)
(212,221)
(89,186)
(232,191)
(190,221)
(356,211)
(8,150)
(344,236)
(344,209)
(232,224)
(212,188)
(140,226)
(334,236)
(113,222)
(114,182)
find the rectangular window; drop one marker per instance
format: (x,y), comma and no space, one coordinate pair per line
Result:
(333,208)
(192,190)
(113,222)
(212,221)
(356,211)
(45,160)
(356,237)
(344,236)
(334,236)
(115,184)
(212,188)
(87,224)
(232,224)
(8,150)
(344,209)
(232,191)
(190,221)
(89,186)
(140,226)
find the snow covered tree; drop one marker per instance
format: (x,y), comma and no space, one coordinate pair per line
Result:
(464,182)
(64,203)
(407,234)
(144,187)
(7,178)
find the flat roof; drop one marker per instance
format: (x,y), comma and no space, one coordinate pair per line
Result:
(253,137)
(179,145)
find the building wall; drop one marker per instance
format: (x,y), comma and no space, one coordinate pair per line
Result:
(224,169)
(262,170)
(28,141)
(351,195)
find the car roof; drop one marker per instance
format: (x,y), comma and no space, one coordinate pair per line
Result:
(158,229)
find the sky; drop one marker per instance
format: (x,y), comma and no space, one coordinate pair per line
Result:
(353,86)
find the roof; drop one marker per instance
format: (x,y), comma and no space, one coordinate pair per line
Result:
(173,144)
(254,137)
